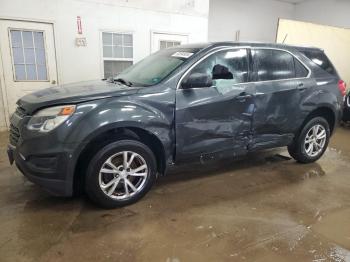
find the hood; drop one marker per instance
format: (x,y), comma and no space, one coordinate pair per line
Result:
(73,93)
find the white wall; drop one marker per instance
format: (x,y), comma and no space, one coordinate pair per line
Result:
(326,12)
(256,19)
(137,16)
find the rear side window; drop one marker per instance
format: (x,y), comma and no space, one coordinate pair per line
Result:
(300,70)
(273,64)
(320,59)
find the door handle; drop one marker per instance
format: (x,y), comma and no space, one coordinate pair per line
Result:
(243,96)
(301,86)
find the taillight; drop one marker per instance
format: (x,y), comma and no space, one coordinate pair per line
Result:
(342,87)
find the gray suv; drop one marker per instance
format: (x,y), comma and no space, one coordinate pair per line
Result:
(112,138)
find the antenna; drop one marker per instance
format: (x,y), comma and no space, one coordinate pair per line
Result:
(238,34)
(284,39)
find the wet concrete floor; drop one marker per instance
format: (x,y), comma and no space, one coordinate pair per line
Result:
(265,207)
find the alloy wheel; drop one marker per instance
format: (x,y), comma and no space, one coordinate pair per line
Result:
(123,175)
(315,140)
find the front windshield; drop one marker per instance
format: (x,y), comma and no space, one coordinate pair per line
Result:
(156,67)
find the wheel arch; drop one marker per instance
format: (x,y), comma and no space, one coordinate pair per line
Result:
(323,111)
(113,134)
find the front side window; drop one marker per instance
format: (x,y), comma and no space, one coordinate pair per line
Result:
(273,64)
(28,55)
(226,68)
(117,52)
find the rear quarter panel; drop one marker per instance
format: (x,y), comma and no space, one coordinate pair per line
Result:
(322,92)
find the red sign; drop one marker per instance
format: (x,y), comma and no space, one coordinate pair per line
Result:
(80,29)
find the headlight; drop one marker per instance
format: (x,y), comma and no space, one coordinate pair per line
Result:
(49,118)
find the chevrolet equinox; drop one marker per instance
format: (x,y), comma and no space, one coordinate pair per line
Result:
(111,138)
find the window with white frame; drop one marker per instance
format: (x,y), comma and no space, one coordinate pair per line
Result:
(118,52)
(165,44)
(28,55)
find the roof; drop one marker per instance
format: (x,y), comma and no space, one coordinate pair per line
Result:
(252,44)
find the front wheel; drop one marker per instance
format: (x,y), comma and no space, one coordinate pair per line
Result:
(312,141)
(120,173)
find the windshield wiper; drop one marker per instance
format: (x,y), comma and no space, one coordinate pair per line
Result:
(123,81)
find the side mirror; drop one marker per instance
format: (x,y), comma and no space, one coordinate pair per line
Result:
(197,80)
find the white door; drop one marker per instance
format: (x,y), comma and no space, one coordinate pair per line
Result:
(28,59)
(165,40)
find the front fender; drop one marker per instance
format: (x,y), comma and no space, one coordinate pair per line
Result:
(94,118)
(122,112)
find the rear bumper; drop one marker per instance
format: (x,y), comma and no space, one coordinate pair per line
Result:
(346,113)
(51,172)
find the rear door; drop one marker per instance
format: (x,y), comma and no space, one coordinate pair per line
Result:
(277,98)
(216,121)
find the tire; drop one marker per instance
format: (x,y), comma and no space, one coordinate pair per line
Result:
(108,164)
(298,149)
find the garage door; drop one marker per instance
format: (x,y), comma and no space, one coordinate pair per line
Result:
(28,59)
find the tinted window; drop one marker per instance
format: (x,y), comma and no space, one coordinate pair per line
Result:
(319,58)
(300,70)
(225,67)
(273,64)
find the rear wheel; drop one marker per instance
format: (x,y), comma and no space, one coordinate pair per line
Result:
(312,141)
(120,173)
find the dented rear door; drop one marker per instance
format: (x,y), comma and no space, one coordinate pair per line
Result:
(276,100)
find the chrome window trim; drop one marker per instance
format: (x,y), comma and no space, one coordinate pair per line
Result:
(251,48)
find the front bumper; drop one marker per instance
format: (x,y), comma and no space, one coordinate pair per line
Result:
(49,172)
(43,158)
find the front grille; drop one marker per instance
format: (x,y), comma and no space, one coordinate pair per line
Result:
(20,111)
(14,135)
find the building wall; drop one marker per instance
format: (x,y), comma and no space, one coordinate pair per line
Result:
(2,111)
(137,16)
(326,12)
(257,20)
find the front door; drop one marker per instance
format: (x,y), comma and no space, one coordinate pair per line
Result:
(215,121)
(28,59)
